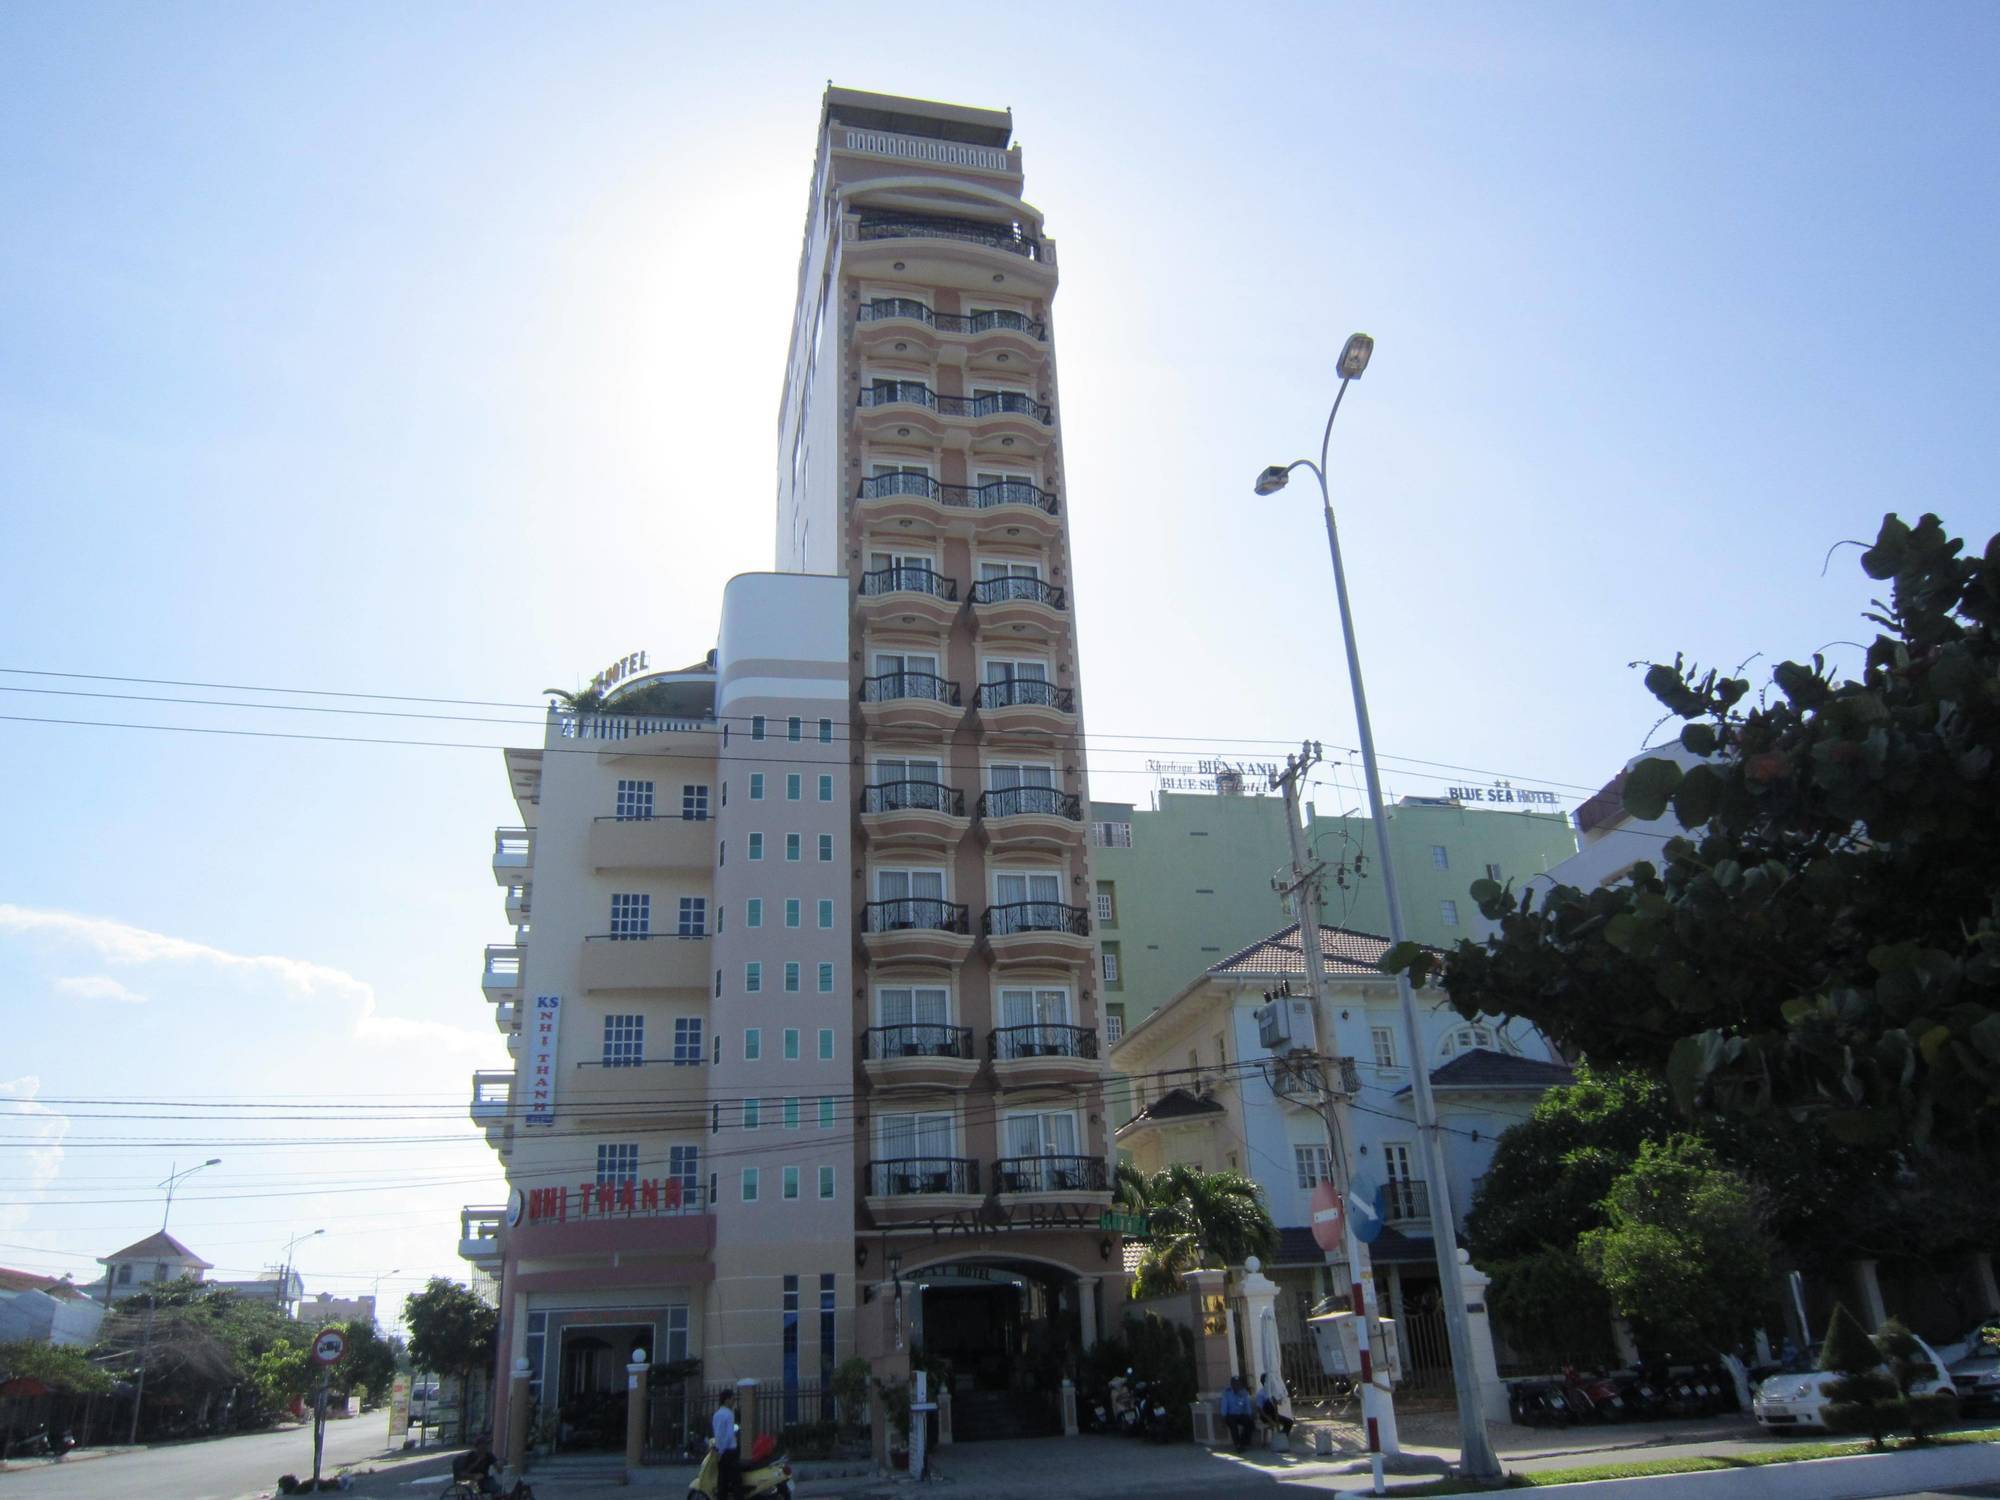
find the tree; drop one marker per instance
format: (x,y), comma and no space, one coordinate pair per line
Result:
(1866,1398)
(60,1368)
(202,1348)
(1908,1364)
(1682,1254)
(370,1363)
(1195,1218)
(451,1332)
(1820,954)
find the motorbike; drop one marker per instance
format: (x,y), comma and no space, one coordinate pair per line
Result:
(772,1477)
(1538,1403)
(1159,1427)
(1125,1410)
(34,1445)
(63,1446)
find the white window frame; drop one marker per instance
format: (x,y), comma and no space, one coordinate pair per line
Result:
(625,1039)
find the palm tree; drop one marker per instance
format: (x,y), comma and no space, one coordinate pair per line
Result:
(588,701)
(1196,1218)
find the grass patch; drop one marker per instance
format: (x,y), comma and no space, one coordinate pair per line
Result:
(1693,1464)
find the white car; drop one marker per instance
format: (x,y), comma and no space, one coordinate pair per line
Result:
(1796,1400)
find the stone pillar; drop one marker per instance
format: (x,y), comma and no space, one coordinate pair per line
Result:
(1069,1407)
(635,1413)
(516,1454)
(1210,1311)
(1086,1310)
(1868,1290)
(1259,1295)
(1624,1343)
(943,1395)
(1985,1290)
(1492,1389)
(746,1416)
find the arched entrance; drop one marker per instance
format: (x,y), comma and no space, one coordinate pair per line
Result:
(1002,1333)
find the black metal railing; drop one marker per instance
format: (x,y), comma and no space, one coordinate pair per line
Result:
(1007,590)
(1051,1174)
(882,308)
(991,404)
(970,496)
(1035,916)
(1041,1039)
(914,914)
(1006,237)
(904,578)
(913,796)
(902,1176)
(916,1039)
(1025,692)
(891,686)
(1036,801)
(1404,1199)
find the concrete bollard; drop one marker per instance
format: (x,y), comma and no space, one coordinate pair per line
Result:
(516,1456)
(746,1418)
(635,1413)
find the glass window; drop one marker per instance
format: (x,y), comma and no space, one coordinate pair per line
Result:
(753,976)
(1492,872)
(792,911)
(694,804)
(826,914)
(1107,905)
(687,1041)
(826,731)
(826,978)
(1384,1038)
(792,841)
(756,726)
(749,1184)
(694,916)
(753,912)
(1448,913)
(753,1044)
(753,1113)
(756,786)
(826,1044)
(1114,1027)
(792,726)
(1111,835)
(1311,1162)
(793,784)
(790,1188)
(677,1330)
(826,789)
(791,1044)
(631,915)
(756,846)
(635,799)
(826,1114)
(684,1166)
(826,1182)
(624,1041)
(1439,859)
(1110,964)
(617,1163)
(1467,1038)
(791,977)
(791,1114)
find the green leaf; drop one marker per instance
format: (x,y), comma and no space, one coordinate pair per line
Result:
(1986,1036)
(1932,1042)
(1698,739)
(1796,1010)
(1885,558)
(1403,956)
(1484,891)
(1648,786)
(1686,1065)
(1697,797)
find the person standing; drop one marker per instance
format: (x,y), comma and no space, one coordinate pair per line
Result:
(728,1461)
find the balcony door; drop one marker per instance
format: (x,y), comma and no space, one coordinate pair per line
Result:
(911,674)
(910,782)
(897,570)
(1010,580)
(915,1151)
(918,1020)
(1034,1023)
(1020,787)
(1032,898)
(911,898)
(1052,1134)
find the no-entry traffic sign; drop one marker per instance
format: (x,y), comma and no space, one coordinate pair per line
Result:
(1329,1218)
(329,1347)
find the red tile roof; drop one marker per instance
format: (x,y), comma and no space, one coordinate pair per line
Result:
(1345,952)
(157,1246)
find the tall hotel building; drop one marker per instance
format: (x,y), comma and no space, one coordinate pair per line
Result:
(803,1002)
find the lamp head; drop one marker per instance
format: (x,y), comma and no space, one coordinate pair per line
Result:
(1354,357)
(213,1161)
(1273,479)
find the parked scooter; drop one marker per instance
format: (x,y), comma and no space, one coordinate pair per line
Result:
(1125,1413)
(1159,1427)
(63,1445)
(765,1476)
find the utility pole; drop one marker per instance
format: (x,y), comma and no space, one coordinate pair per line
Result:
(1378,1403)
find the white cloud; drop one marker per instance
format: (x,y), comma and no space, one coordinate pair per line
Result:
(118,943)
(42,1154)
(98,987)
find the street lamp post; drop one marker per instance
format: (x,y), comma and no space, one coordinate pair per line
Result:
(375,1296)
(1476,1457)
(152,1298)
(285,1276)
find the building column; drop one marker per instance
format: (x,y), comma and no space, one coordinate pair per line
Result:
(1983,1285)
(1472,1285)
(1868,1288)
(1210,1312)
(635,1412)
(746,1415)
(1086,1310)
(1259,1295)
(516,1453)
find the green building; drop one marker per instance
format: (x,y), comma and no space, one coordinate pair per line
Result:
(1182,887)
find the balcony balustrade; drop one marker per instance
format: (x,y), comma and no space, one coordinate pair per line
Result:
(615,726)
(912,913)
(989,591)
(1406,1200)
(513,854)
(918,1039)
(1025,692)
(923,1176)
(1040,1176)
(999,492)
(1031,801)
(1007,237)
(882,309)
(479,1236)
(913,796)
(500,978)
(645,961)
(899,687)
(492,1097)
(909,594)
(671,841)
(1042,1039)
(908,580)
(991,404)
(1037,932)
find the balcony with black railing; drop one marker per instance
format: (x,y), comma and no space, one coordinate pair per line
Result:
(908,579)
(1019,819)
(904,813)
(1014,917)
(912,796)
(1406,1200)
(1000,506)
(923,1177)
(976,408)
(1019,590)
(916,914)
(992,236)
(1042,1176)
(909,309)
(1030,705)
(1042,1039)
(917,1039)
(904,687)
(910,594)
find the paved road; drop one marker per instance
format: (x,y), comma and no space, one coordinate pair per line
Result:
(219,1469)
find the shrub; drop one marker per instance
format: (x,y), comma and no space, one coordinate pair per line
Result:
(1866,1399)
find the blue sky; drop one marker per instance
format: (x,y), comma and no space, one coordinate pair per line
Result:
(436,351)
